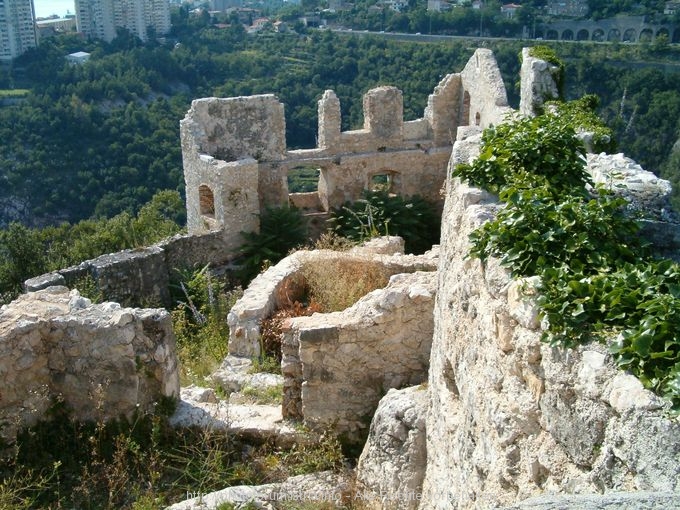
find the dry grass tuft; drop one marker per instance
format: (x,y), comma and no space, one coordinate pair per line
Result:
(337,284)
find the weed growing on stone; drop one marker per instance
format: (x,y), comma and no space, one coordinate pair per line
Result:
(141,463)
(270,395)
(199,323)
(271,332)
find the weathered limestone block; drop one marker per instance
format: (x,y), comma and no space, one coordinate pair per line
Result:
(235,128)
(609,501)
(199,407)
(392,465)
(347,360)
(329,120)
(538,84)
(102,361)
(648,198)
(324,488)
(445,99)
(644,191)
(485,100)
(384,113)
(234,374)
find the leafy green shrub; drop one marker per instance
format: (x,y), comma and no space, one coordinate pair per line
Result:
(537,230)
(580,113)
(597,281)
(529,152)
(281,229)
(379,213)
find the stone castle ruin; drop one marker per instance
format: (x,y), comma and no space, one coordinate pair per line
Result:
(492,416)
(236,161)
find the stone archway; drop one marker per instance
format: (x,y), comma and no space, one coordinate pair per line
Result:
(568,35)
(598,35)
(646,35)
(663,32)
(552,35)
(614,35)
(583,35)
(630,35)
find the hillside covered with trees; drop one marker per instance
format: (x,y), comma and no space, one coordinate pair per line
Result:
(90,142)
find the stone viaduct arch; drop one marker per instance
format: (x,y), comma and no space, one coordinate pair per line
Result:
(620,28)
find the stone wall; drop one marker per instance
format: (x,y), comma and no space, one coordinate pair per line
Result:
(538,79)
(510,417)
(102,361)
(337,366)
(236,164)
(141,276)
(283,283)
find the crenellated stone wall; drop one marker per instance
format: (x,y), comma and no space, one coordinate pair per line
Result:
(102,361)
(236,164)
(235,147)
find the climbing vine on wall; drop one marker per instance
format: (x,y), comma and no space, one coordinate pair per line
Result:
(597,280)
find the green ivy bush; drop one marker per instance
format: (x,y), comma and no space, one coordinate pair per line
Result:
(379,213)
(598,281)
(581,113)
(529,152)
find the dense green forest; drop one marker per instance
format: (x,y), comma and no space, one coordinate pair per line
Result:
(102,138)
(94,141)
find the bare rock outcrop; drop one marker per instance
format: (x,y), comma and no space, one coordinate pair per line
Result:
(392,465)
(102,360)
(323,488)
(511,417)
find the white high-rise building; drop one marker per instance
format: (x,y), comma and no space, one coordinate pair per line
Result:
(100,18)
(17,28)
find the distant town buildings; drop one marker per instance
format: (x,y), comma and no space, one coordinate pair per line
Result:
(568,8)
(223,5)
(671,8)
(509,10)
(100,19)
(78,58)
(438,5)
(17,28)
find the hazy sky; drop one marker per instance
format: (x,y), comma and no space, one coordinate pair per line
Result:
(44,8)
